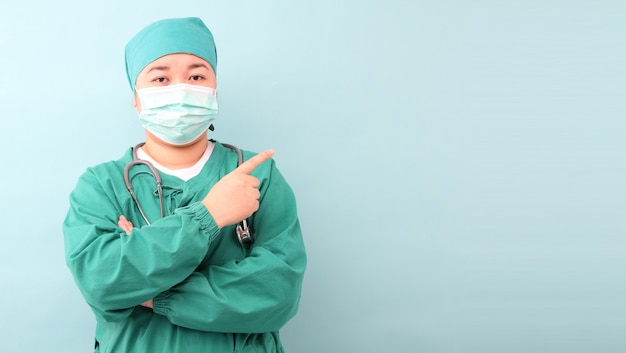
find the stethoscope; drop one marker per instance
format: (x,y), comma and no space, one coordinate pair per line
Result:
(245,236)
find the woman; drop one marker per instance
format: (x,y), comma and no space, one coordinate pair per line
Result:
(167,266)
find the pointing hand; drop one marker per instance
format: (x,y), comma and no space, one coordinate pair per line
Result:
(236,196)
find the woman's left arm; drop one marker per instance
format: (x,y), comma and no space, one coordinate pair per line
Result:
(257,294)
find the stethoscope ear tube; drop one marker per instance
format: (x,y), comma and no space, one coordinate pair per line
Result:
(129,185)
(244,234)
(237,150)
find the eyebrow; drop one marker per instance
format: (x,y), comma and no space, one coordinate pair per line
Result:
(197,65)
(166,68)
(160,68)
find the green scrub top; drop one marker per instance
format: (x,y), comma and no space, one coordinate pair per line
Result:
(209,293)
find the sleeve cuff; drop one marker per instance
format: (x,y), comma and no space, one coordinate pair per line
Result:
(200,213)
(159,303)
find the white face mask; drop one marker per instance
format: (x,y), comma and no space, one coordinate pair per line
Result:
(177,114)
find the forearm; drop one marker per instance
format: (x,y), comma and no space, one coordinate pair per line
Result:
(259,294)
(116,271)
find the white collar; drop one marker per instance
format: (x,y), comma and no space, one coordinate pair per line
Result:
(183,173)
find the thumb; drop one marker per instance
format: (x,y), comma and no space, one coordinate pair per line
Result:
(248,166)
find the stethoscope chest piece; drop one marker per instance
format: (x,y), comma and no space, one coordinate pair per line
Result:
(243,234)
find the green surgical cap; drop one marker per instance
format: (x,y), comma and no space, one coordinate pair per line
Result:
(169,36)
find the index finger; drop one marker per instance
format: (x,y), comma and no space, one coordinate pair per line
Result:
(248,166)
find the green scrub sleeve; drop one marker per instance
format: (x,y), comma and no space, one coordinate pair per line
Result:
(116,272)
(257,294)
(199,212)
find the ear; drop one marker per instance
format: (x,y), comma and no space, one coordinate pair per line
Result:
(136,103)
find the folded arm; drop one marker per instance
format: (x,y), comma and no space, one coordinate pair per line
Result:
(115,271)
(257,294)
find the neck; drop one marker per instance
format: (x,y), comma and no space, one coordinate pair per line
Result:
(175,157)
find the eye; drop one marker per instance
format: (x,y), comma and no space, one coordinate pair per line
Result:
(196,78)
(160,79)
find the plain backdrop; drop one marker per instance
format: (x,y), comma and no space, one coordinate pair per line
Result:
(458,165)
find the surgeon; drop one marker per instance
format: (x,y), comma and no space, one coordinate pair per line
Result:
(178,246)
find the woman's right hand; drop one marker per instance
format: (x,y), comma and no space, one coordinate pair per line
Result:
(236,196)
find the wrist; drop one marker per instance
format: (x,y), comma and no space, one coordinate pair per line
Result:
(214,214)
(159,303)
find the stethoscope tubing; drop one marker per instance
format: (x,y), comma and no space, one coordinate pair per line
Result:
(129,186)
(244,235)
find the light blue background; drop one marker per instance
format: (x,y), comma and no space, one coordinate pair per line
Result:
(459,165)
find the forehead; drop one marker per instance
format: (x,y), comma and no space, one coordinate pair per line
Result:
(176,62)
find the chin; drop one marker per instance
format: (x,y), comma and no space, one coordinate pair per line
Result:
(155,139)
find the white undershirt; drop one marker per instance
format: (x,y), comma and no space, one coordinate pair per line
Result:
(183,173)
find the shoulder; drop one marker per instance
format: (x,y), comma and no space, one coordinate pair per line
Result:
(234,154)
(274,187)
(106,170)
